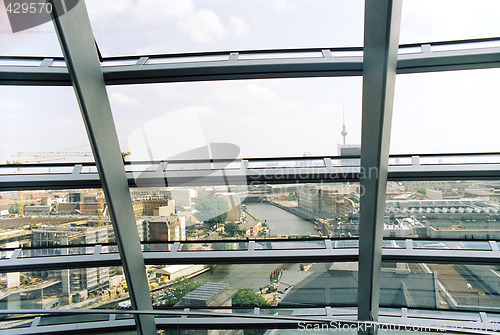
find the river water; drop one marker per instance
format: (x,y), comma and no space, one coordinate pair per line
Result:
(254,276)
(279,221)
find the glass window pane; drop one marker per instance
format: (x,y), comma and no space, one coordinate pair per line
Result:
(40,125)
(37,41)
(254,285)
(145,27)
(442,286)
(446,112)
(42,222)
(252,118)
(82,288)
(431,21)
(443,210)
(294,211)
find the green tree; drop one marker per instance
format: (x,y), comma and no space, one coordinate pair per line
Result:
(14,209)
(422,191)
(211,210)
(248,298)
(231,228)
(191,229)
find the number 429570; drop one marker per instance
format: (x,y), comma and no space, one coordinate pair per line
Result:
(32,8)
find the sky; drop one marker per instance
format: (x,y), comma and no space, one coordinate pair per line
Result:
(433,113)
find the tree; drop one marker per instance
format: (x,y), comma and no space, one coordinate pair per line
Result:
(422,191)
(247,298)
(211,210)
(14,209)
(231,228)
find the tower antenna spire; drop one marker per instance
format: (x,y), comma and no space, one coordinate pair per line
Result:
(344,130)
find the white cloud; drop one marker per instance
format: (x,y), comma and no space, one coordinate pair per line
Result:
(139,11)
(155,48)
(11,104)
(147,10)
(168,135)
(251,93)
(283,5)
(240,26)
(123,99)
(109,9)
(203,26)
(430,20)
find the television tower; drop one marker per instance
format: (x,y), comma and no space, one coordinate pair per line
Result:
(344,131)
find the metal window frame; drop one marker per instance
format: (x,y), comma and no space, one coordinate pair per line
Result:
(81,55)
(382,25)
(406,319)
(250,255)
(233,69)
(156,175)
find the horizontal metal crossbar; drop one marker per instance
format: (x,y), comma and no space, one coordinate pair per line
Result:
(342,318)
(237,172)
(258,64)
(249,255)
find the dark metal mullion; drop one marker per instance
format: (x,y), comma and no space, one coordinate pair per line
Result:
(381,38)
(79,49)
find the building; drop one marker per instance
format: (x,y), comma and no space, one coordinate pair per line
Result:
(451,218)
(171,228)
(339,288)
(74,197)
(328,201)
(37,210)
(73,281)
(209,294)
(150,193)
(149,207)
(174,272)
(67,207)
(168,209)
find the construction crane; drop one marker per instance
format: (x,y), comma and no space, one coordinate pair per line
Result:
(100,207)
(38,157)
(20,194)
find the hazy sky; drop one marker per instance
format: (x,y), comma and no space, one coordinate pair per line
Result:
(437,112)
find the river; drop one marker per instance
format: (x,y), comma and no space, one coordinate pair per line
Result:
(254,276)
(279,221)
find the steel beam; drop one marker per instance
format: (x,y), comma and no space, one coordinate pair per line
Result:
(382,22)
(78,46)
(402,319)
(57,176)
(296,66)
(253,256)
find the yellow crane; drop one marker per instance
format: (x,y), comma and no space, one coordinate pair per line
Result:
(38,157)
(20,194)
